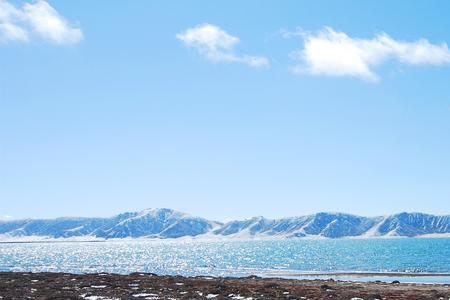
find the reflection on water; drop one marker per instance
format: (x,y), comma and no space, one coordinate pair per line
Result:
(287,258)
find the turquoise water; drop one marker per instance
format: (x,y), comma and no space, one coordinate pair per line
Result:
(286,258)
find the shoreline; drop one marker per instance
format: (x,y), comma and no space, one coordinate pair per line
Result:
(5,239)
(359,273)
(19,285)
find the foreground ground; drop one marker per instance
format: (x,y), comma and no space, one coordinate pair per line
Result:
(149,286)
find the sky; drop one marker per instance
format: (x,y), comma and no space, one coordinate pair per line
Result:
(224,109)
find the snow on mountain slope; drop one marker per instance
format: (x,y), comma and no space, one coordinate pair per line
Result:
(414,224)
(321,224)
(163,223)
(167,223)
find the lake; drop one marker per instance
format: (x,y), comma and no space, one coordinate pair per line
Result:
(408,260)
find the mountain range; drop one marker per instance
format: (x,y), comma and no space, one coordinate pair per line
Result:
(166,223)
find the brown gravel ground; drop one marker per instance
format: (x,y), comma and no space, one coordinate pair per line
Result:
(149,286)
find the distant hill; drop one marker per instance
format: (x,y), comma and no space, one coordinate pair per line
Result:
(166,223)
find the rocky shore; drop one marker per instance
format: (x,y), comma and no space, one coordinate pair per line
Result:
(15,285)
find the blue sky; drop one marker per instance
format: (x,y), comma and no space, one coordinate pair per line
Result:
(224,109)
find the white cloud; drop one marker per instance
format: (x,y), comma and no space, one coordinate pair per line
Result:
(46,21)
(11,32)
(37,19)
(217,45)
(333,53)
(9,29)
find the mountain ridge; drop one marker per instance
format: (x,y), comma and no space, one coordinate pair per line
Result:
(164,223)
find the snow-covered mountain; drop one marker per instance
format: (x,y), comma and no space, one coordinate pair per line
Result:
(167,223)
(160,223)
(330,225)
(154,223)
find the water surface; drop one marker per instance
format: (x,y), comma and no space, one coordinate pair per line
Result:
(286,258)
